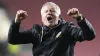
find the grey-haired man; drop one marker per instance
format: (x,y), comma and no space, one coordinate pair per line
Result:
(55,37)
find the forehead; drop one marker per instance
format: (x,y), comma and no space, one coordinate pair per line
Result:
(48,7)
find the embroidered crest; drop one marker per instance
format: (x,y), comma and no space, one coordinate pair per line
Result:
(58,35)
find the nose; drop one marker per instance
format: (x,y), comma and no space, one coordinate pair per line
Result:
(49,12)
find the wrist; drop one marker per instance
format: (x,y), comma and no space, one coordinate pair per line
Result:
(79,17)
(17,21)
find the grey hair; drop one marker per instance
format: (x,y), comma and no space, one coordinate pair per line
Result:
(53,4)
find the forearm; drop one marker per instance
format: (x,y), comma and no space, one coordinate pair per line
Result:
(87,29)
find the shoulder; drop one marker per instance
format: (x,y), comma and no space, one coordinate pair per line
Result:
(69,23)
(37,27)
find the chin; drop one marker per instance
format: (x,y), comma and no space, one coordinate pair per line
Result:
(49,24)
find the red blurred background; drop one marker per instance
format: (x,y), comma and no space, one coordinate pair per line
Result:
(89,8)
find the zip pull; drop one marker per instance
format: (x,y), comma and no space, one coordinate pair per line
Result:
(41,34)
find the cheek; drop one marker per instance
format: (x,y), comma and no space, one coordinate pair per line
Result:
(43,19)
(57,16)
(43,15)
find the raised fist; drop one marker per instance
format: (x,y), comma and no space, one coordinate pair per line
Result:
(20,15)
(74,12)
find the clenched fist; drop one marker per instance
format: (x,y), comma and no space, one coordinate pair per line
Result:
(74,12)
(20,15)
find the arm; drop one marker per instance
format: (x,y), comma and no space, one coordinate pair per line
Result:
(16,37)
(85,30)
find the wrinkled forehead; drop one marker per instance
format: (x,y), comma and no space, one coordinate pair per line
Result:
(51,5)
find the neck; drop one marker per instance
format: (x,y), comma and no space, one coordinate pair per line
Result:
(51,26)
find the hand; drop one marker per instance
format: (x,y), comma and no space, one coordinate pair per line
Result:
(20,15)
(74,12)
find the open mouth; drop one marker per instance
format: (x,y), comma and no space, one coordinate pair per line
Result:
(49,18)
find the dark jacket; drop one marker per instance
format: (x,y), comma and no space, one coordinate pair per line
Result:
(58,41)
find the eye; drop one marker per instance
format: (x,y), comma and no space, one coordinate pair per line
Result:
(45,11)
(53,11)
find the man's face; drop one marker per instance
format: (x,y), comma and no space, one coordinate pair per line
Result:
(50,15)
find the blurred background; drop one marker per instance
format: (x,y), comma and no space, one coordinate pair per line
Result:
(8,8)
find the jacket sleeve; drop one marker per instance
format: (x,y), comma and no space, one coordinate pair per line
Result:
(85,31)
(17,37)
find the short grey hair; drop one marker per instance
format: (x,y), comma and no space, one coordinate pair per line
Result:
(55,5)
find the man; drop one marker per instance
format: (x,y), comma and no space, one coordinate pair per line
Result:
(55,37)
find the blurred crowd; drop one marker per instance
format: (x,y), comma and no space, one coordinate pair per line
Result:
(6,49)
